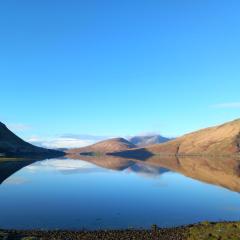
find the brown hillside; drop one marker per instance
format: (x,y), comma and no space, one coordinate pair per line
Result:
(222,139)
(219,140)
(110,145)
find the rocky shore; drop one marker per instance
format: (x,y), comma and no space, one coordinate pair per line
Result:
(201,231)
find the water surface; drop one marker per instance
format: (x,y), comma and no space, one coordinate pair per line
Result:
(77,194)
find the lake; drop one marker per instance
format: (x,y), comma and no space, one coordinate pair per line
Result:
(114,193)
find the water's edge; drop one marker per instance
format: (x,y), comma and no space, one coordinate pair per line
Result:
(188,232)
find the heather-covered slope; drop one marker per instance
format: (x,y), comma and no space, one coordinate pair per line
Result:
(13,146)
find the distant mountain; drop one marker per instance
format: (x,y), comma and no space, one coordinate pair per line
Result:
(143,141)
(110,145)
(219,140)
(13,146)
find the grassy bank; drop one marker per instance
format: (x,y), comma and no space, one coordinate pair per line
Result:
(201,231)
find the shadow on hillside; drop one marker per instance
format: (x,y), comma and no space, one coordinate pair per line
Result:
(139,154)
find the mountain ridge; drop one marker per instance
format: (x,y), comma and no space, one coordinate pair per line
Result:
(13,146)
(146,140)
(105,146)
(223,139)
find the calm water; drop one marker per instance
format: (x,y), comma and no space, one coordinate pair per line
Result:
(75,194)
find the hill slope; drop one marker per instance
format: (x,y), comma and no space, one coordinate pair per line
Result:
(12,145)
(143,141)
(222,139)
(219,140)
(110,145)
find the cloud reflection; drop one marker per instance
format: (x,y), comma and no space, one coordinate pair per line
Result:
(16,180)
(65,166)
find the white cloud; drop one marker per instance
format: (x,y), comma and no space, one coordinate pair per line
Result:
(60,142)
(227,105)
(145,134)
(66,140)
(83,136)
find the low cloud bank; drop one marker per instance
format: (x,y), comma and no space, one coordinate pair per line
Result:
(66,141)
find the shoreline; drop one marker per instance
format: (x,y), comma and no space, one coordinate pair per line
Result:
(199,231)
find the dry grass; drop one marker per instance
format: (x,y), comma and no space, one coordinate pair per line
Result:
(216,140)
(110,145)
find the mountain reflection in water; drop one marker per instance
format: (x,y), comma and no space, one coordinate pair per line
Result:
(111,192)
(223,172)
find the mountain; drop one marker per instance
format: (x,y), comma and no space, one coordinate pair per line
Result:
(219,140)
(110,145)
(143,141)
(13,146)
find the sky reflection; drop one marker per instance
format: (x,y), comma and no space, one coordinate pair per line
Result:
(48,195)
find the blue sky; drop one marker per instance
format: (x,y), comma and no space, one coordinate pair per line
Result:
(117,68)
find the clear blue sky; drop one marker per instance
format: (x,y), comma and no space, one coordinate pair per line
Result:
(119,67)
